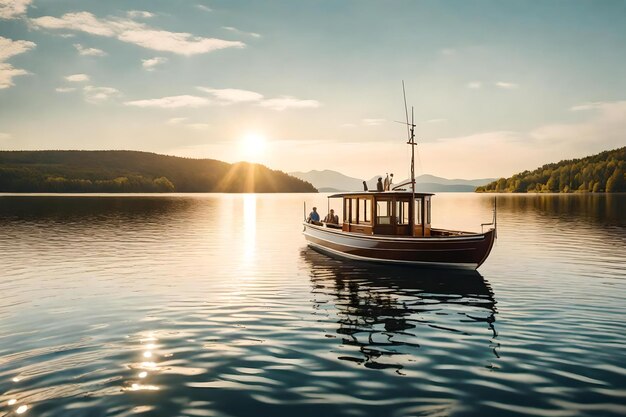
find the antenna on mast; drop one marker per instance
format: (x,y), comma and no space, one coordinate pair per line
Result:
(410,130)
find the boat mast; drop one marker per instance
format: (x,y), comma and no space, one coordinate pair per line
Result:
(410,130)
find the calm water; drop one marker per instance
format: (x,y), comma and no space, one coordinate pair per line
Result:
(211,305)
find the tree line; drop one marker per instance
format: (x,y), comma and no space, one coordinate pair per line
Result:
(604,172)
(133,172)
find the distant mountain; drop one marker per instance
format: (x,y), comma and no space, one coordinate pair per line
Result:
(328,179)
(131,171)
(333,181)
(604,172)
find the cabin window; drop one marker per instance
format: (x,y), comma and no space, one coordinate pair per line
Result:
(418,211)
(353,210)
(402,212)
(383,212)
(428,210)
(364,211)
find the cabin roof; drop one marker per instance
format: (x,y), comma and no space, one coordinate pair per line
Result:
(378,194)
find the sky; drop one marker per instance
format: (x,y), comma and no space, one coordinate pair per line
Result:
(496,87)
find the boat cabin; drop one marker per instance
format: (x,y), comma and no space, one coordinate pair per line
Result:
(393,213)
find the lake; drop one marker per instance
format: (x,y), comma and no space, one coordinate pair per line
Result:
(212,305)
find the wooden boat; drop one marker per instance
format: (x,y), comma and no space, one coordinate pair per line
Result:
(395,227)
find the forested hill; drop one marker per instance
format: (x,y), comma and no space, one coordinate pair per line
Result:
(131,171)
(604,172)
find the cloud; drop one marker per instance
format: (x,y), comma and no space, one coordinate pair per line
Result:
(474,85)
(241,32)
(176,120)
(8,49)
(130,31)
(88,51)
(286,102)
(232,95)
(198,126)
(139,14)
(204,8)
(77,78)
(506,85)
(7,72)
(99,94)
(12,9)
(65,89)
(225,96)
(172,102)
(150,64)
(592,105)
(373,122)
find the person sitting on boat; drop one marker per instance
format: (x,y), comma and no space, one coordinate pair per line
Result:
(332,217)
(314,217)
(379,184)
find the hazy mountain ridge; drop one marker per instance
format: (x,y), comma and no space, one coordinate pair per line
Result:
(332,181)
(134,171)
(603,172)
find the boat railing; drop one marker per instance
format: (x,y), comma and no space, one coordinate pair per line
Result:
(493,222)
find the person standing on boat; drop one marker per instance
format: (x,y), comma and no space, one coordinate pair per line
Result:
(314,216)
(332,217)
(390,182)
(379,184)
(386,185)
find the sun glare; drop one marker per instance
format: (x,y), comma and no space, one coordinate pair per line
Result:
(252,147)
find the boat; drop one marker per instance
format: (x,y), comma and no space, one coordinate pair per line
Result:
(394,226)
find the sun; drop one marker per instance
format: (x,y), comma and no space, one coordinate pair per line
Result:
(252,146)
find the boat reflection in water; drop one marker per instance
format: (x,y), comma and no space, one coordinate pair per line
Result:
(398,317)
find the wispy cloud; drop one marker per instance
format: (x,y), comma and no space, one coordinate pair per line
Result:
(241,32)
(176,120)
(172,102)
(225,96)
(474,85)
(8,49)
(591,105)
(204,8)
(150,64)
(65,89)
(198,126)
(95,94)
(130,31)
(373,122)
(232,95)
(286,102)
(7,72)
(133,14)
(88,51)
(77,78)
(506,85)
(13,9)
